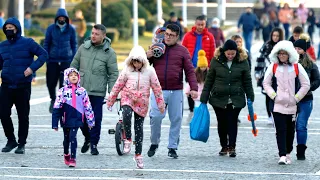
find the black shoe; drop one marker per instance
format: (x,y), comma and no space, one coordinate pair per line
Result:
(20,149)
(94,150)
(301,149)
(173,154)
(85,147)
(239,121)
(224,151)
(9,146)
(152,150)
(232,152)
(51,106)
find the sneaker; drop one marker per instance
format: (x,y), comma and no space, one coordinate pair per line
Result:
(20,149)
(127,147)
(152,150)
(51,106)
(72,162)
(94,150)
(224,151)
(190,116)
(139,161)
(9,146)
(66,159)
(172,153)
(282,160)
(288,159)
(232,152)
(270,121)
(85,147)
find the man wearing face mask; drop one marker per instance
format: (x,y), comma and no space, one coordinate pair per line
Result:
(61,45)
(17,65)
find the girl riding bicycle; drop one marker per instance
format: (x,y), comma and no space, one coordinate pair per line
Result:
(135,82)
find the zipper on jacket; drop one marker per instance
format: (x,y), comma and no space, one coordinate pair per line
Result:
(64,117)
(165,71)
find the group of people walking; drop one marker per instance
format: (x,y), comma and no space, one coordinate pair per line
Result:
(219,75)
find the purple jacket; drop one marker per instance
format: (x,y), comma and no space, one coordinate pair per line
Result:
(169,68)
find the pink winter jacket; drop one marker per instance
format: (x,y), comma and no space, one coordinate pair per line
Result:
(135,85)
(285,99)
(200,88)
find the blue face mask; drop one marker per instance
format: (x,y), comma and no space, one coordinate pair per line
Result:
(215,25)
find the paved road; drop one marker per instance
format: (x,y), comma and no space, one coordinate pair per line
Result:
(257,156)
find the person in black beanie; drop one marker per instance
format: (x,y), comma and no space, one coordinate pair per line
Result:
(228,83)
(306,104)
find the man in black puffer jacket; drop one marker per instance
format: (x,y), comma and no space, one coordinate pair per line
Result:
(17,65)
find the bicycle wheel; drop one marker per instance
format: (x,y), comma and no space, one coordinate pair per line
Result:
(119,139)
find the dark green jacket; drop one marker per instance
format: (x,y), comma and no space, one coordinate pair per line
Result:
(223,82)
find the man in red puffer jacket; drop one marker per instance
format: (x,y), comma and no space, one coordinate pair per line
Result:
(198,38)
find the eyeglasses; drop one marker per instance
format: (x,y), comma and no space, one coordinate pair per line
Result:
(136,61)
(282,54)
(170,35)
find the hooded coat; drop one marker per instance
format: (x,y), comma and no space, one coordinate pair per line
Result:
(61,45)
(72,104)
(135,85)
(285,97)
(223,83)
(16,55)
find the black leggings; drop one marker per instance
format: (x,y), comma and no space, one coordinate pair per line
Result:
(267,105)
(138,127)
(70,137)
(190,103)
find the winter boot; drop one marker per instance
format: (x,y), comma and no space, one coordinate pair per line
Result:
(301,149)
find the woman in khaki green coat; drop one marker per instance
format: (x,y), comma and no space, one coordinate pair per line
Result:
(227,84)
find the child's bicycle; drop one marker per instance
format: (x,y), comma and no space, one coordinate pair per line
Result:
(119,132)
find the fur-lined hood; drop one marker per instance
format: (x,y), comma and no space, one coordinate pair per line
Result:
(285,46)
(137,52)
(241,54)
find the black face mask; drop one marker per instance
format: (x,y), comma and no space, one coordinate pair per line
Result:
(11,35)
(61,22)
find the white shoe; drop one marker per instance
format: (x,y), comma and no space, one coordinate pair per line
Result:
(288,159)
(139,161)
(282,160)
(270,120)
(127,147)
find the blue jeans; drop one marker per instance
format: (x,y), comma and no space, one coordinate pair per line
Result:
(247,36)
(286,27)
(302,121)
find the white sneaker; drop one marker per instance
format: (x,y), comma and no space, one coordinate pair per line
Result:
(288,159)
(138,159)
(127,147)
(282,160)
(270,120)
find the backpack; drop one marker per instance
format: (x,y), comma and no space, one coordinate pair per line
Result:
(295,65)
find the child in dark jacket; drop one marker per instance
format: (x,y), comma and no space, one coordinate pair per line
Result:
(70,106)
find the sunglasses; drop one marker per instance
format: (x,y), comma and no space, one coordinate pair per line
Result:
(136,60)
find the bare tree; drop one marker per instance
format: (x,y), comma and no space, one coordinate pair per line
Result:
(13,8)
(46,4)
(28,5)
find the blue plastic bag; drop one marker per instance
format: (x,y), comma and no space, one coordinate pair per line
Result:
(200,123)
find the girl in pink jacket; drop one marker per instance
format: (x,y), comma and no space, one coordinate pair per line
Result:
(286,83)
(135,82)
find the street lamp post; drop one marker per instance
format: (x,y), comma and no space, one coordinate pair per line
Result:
(184,12)
(135,22)
(62,4)
(21,15)
(159,11)
(98,11)
(222,11)
(204,7)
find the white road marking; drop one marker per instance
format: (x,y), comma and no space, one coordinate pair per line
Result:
(75,177)
(161,170)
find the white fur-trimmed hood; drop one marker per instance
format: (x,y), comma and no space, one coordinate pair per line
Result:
(137,52)
(285,46)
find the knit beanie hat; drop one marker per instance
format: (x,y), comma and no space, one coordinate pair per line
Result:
(230,45)
(303,42)
(202,59)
